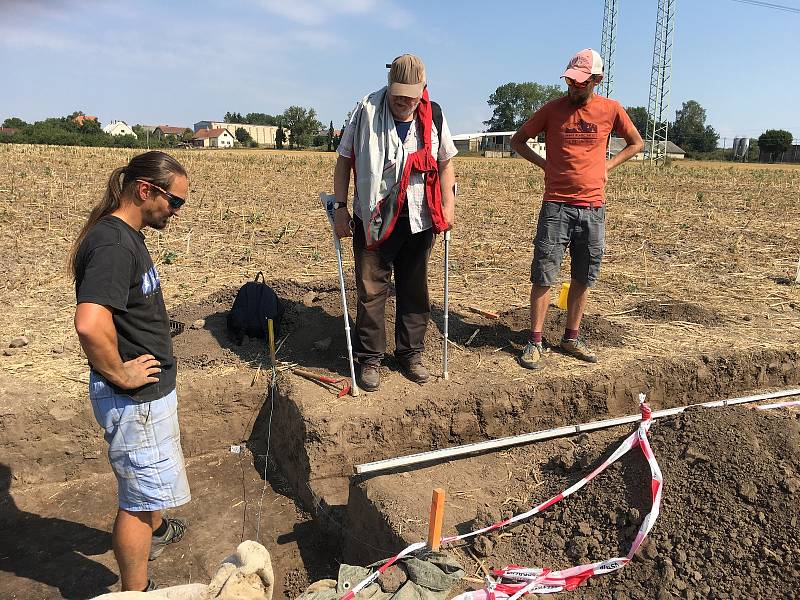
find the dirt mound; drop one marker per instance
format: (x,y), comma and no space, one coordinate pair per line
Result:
(677,310)
(728,523)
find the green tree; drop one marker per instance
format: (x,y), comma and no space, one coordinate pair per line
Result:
(690,131)
(330,137)
(243,136)
(187,135)
(259,119)
(233,117)
(774,142)
(302,124)
(638,115)
(513,103)
(280,137)
(752,151)
(15,123)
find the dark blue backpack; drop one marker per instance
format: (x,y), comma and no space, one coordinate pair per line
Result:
(255,302)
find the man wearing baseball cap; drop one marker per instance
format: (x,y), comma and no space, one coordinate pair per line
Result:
(398,146)
(576,127)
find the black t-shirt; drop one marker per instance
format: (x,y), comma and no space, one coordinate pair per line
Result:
(114,268)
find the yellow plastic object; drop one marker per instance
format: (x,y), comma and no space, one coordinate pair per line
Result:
(562,296)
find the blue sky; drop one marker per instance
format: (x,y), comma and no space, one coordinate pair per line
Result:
(180,62)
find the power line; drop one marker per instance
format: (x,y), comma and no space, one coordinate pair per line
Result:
(771,5)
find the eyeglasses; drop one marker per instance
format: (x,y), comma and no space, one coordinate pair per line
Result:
(572,83)
(174,201)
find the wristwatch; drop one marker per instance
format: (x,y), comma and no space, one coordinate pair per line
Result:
(338,205)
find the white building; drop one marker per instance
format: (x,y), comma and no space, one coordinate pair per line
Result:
(119,128)
(263,135)
(213,138)
(493,144)
(616,145)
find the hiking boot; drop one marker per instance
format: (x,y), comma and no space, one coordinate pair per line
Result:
(578,349)
(151,585)
(414,370)
(531,356)
(370,379)
(175,530)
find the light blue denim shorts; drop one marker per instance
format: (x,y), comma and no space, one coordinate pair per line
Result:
(144,447)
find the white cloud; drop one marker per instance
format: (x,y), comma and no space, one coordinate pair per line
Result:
(321,12)
(315,12)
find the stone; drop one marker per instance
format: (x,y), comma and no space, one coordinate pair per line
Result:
(584,529)
(649,549)
(748,491)
(10,351)
(323,344)
(790,485)
(58,350)
(198,324)
(693,455)
(309,297)
(18,342)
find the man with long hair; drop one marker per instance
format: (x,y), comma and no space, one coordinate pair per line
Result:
(398,146)
(123,327)
(576,128)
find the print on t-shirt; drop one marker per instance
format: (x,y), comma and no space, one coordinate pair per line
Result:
(582,132)
(150,282)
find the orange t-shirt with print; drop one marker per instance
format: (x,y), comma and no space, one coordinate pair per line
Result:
(575,141)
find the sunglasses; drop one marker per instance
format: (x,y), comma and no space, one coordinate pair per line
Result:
(174,201)
(572,83)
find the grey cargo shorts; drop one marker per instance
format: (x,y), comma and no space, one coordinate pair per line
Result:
(581,228)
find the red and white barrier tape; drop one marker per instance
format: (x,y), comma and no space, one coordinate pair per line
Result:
(513,582)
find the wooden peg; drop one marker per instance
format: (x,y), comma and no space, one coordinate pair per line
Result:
(271,332)
(435,523)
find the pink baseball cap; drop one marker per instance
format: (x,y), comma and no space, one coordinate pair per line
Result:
(583,65)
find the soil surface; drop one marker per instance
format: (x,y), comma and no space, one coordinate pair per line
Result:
(729,517)
(55,538)
(696,301)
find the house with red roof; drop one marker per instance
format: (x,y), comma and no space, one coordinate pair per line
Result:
(213,138)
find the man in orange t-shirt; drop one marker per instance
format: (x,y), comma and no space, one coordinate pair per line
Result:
(576,128)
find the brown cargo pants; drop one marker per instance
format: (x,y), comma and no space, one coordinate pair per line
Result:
(407,254)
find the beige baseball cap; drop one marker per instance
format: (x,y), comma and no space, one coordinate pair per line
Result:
(406,76)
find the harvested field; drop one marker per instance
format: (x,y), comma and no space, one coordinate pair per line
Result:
(696,302)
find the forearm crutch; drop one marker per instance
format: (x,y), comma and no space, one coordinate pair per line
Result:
(445,374)
(327,202)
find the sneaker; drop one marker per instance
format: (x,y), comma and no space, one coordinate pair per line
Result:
(370,379)
(414,370)
(531,356)
(578,349)
(175,530)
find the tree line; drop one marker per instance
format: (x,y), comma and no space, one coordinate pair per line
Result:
(513,103)
(297,126)
(71,130)
(305,129)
